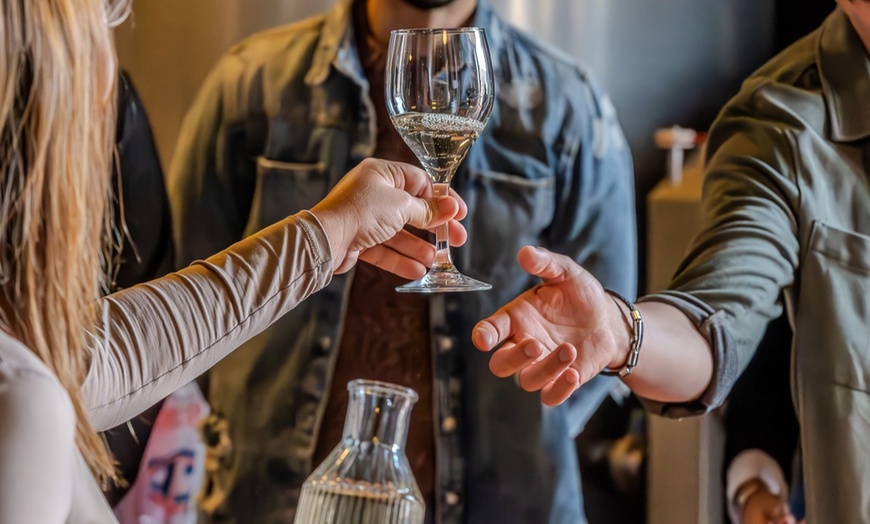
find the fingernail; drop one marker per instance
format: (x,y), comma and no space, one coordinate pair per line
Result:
(483,336)
(532,350)
(566,355)
(571,377)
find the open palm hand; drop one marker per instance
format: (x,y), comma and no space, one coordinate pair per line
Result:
(556,335)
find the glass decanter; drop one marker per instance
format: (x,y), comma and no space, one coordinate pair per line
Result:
(367,479)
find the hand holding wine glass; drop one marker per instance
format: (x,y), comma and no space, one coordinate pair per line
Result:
(364,216)
(439,93)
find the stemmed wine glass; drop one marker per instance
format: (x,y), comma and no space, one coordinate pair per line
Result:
(439,91)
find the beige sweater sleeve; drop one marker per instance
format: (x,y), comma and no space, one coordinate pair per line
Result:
(158,336)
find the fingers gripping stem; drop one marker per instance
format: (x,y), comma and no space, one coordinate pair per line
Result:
(442,234)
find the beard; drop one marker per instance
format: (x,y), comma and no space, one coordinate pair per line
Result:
(427,4)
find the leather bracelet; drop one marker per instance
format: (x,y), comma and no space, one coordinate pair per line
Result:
(636,338)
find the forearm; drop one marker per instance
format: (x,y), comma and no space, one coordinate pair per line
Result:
(161,335)
(675,363)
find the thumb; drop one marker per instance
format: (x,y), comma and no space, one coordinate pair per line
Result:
(347,264)
(431,212)
(547,265)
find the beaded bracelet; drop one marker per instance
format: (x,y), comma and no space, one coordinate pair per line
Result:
(636,338)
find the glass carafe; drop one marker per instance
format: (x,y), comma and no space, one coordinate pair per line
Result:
(367,479)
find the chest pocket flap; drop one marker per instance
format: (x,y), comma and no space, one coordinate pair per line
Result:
(833,319)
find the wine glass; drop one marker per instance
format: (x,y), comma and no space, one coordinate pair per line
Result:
(439,91)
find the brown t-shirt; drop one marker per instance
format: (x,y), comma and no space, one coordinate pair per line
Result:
(386,334)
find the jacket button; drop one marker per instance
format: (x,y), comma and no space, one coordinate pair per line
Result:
(448,425)
(324,342)
(445,343)
(451,498)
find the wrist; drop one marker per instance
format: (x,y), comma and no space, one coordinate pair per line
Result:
(335,229)
(622,331)
(635,339)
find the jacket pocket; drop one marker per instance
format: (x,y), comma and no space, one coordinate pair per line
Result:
(833,321)
(285,188)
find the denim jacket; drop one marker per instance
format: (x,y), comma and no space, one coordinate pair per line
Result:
(281,118)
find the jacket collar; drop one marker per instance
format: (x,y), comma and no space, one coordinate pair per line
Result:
(486,17)
(845,74)
(337,45)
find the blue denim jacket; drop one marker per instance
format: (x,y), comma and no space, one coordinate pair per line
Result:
(282,117)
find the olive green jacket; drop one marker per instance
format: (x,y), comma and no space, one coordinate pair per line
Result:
(787,204)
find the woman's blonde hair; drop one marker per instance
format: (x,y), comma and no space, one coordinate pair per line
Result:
(57,123)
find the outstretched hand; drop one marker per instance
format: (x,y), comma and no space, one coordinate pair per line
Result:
(557,335)
(365,214)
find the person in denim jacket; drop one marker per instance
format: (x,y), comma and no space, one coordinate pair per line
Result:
(283,115)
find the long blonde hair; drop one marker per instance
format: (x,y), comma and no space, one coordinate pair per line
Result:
(57,122)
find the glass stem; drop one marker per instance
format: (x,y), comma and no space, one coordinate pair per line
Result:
(442,237)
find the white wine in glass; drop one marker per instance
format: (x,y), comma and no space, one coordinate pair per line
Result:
(439,94)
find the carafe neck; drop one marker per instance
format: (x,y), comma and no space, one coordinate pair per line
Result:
(379,412)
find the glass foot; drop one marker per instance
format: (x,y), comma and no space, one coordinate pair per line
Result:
(443,281)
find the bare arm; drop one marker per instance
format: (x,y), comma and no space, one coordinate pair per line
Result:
(677,365)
